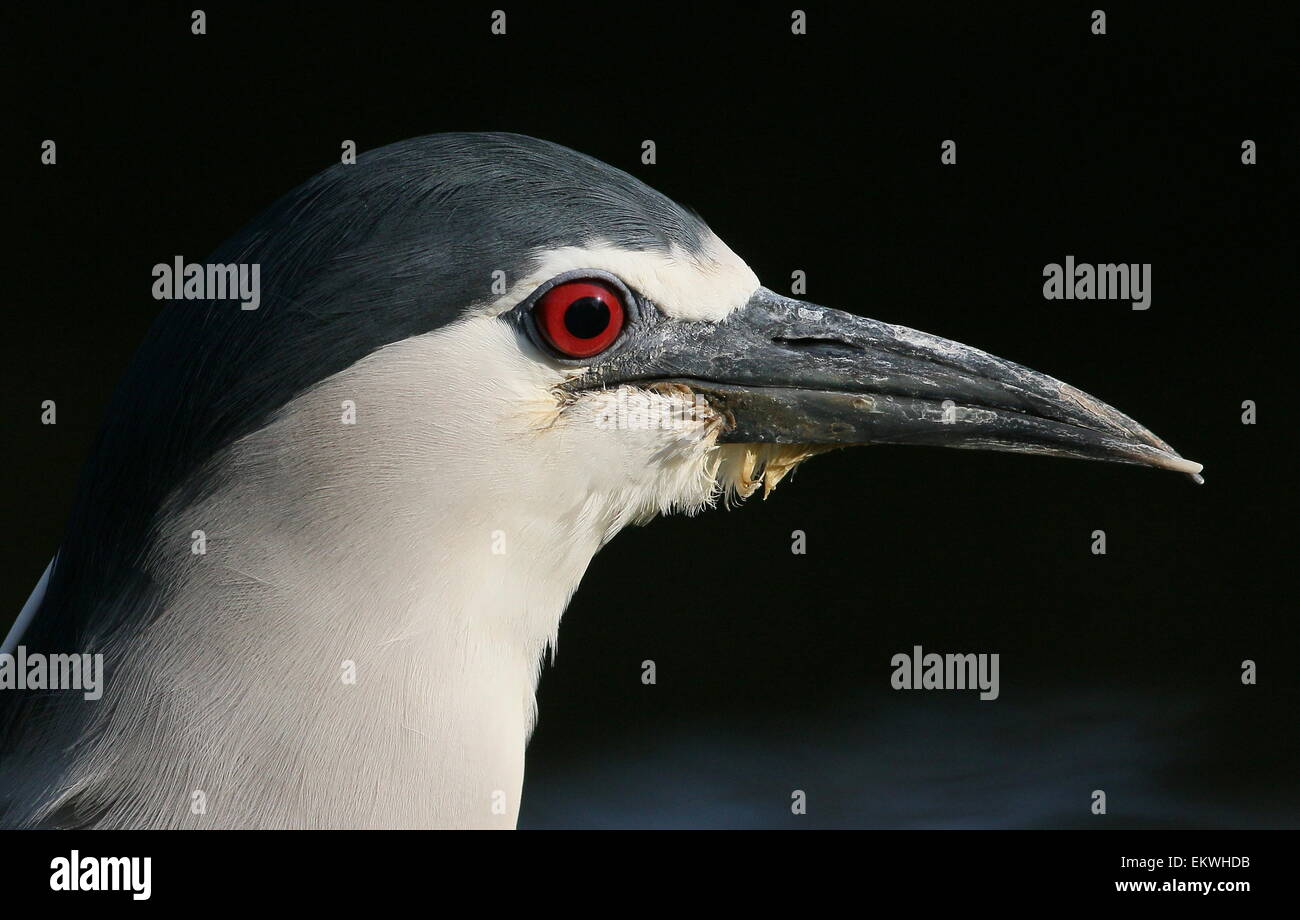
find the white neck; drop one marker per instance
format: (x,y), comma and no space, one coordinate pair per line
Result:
(422,544)
(360,642)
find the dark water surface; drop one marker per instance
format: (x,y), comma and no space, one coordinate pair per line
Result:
(937,760)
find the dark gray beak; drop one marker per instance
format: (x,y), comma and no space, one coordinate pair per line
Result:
(788,372)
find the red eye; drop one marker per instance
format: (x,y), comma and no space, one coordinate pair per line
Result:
(580,318)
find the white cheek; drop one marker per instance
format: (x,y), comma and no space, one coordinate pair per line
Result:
(648,451)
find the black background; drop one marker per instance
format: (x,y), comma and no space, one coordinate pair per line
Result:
(818,153)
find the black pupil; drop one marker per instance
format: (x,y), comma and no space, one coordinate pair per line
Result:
(587,317)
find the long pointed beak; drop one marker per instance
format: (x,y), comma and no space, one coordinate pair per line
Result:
(783,371)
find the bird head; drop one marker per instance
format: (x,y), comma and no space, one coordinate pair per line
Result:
(633,352)
(525,333)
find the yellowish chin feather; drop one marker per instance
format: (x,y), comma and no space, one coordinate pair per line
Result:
(742,468)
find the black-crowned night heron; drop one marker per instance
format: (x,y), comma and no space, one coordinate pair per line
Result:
(477,358)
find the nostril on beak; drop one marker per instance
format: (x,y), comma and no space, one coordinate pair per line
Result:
(817,344)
